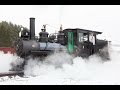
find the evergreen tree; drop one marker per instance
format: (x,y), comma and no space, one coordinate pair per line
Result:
(9,33)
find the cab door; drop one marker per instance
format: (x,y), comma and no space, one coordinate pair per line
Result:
(70,42)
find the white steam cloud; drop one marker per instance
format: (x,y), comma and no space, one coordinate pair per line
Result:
(81,71)
(50,63)
(61,68)
(6,60)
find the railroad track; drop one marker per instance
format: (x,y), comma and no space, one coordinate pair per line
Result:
(12,73)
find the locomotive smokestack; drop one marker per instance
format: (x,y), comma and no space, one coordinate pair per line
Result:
(32,28)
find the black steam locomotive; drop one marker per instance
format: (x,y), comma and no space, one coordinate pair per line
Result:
(78,42)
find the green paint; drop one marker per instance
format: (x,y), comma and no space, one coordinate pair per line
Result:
(70,42)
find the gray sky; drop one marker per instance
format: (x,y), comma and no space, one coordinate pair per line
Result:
(105,18)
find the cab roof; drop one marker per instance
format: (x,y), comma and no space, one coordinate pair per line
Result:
(82,30)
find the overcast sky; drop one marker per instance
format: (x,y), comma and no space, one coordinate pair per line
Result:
(104,18)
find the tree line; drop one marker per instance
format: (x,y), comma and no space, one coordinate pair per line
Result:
(9,33)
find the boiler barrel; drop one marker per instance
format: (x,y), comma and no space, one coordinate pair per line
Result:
(33,46)
(51,46)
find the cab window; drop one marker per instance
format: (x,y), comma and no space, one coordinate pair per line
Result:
(83,37)
(80,37)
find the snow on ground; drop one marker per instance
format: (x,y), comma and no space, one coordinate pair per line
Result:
(59,70)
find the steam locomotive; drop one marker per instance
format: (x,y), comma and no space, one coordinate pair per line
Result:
(75,41)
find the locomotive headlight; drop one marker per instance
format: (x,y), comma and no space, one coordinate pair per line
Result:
(33,45)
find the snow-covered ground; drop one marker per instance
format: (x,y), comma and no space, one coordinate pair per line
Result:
(59,70)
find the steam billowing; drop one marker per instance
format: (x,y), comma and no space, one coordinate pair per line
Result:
(78,71)
(61,68)
(5,61)
(50,63)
